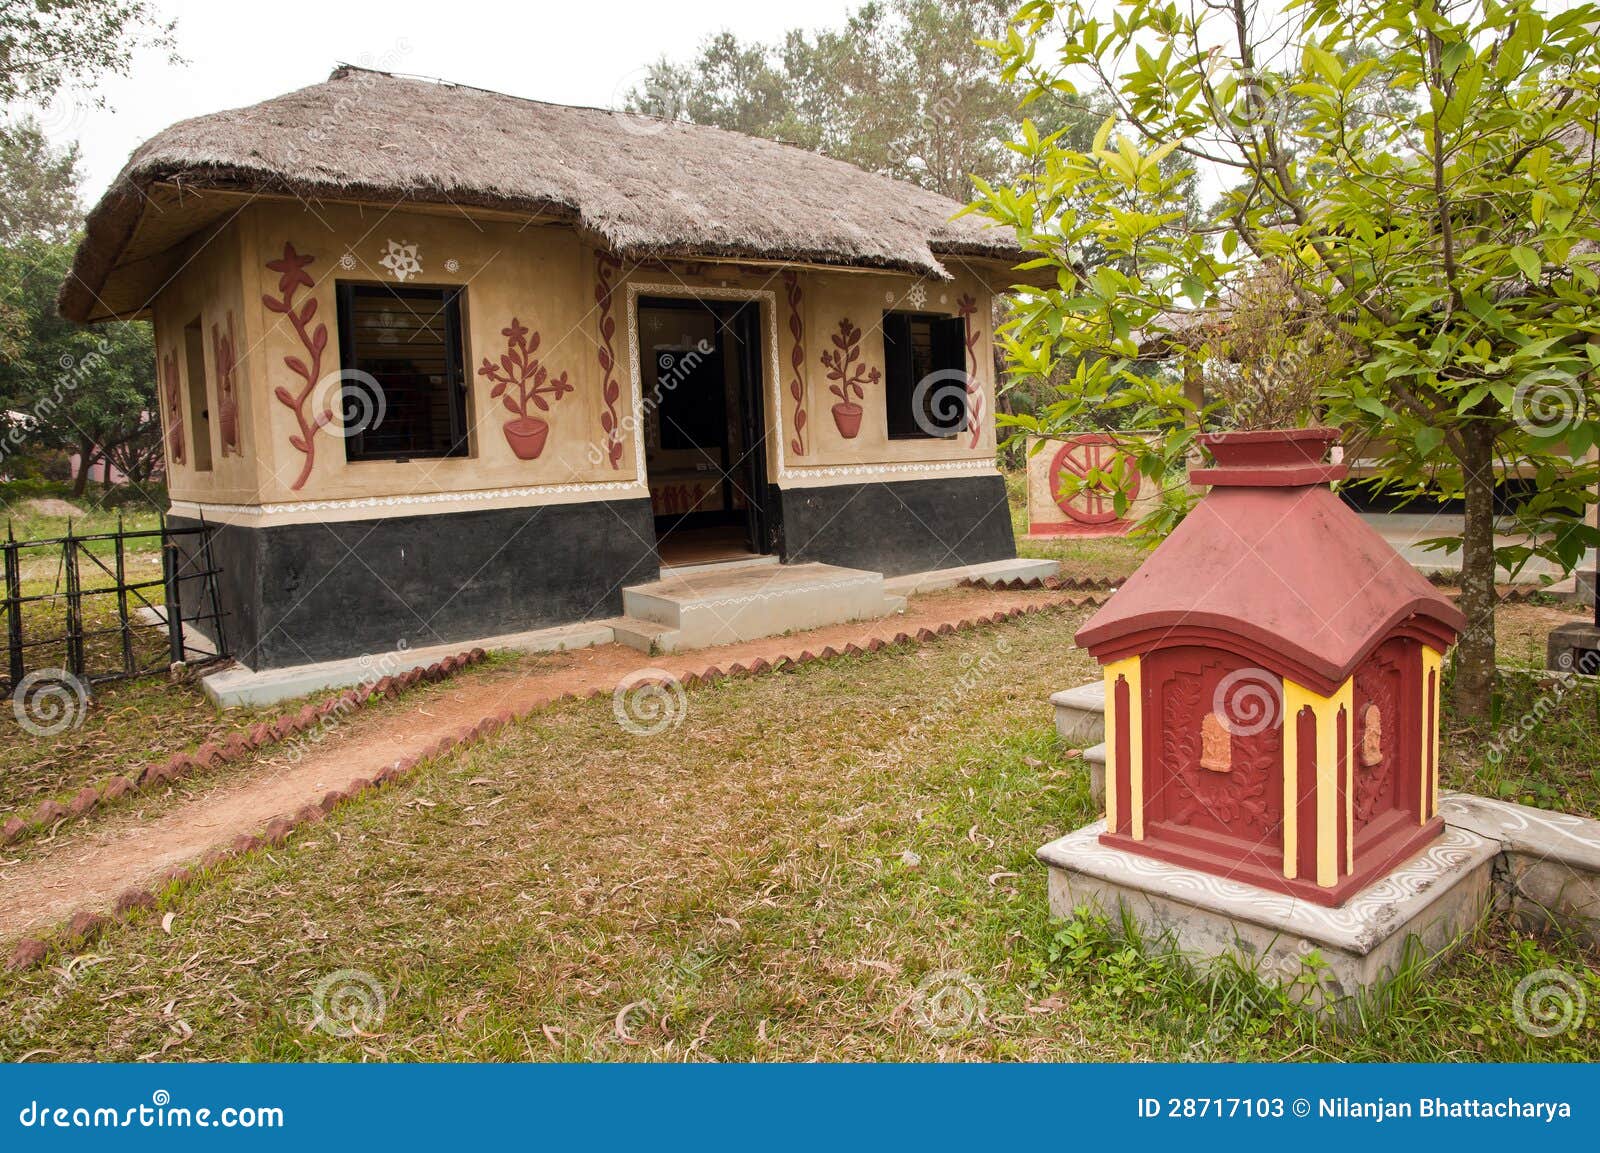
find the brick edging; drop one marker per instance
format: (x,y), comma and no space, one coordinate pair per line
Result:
(1051,584)
(237,746)
(83,926)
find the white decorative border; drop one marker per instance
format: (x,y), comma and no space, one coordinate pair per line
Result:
(973,464)
(356,504)
(1355,920)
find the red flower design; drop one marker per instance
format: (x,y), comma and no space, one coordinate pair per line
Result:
(291,269)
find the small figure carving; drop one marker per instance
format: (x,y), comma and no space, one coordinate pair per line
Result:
(1216,745)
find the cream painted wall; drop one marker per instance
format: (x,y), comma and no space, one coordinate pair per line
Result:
(546,278)
(211,288)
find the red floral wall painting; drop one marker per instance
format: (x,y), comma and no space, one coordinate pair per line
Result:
(797,360)
(606,267)
(174,406)
(292,276)
(519,369)
(224,350)
(968,308)
(850,376)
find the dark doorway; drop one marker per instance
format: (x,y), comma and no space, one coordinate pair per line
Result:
(700,368)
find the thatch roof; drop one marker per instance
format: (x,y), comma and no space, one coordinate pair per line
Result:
(639,187)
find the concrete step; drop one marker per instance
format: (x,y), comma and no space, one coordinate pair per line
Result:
(741,562)
(724,605)
(646,636)
(1095,757)
(989,572)
(1081,713)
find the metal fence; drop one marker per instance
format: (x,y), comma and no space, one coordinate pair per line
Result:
(99,619)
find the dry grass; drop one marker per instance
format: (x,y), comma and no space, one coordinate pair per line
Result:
(770,880)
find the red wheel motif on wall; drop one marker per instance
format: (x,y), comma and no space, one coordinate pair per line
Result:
(1091,504)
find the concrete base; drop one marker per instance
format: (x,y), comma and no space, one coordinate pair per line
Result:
(1551,861)
(717,606)
(1572,648)
(1432,900)
(239,685)
(1081,713)
(990,572)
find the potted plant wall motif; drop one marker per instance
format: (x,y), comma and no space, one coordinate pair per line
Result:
(850,376)
(521,383)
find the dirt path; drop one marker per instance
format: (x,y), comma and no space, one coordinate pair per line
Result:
(87,867)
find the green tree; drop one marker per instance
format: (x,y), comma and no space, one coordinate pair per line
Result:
(903,88)
(38,186)
(89,391)
(47,45)
(1451,244)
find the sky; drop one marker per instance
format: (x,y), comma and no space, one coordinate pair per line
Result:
(574,52)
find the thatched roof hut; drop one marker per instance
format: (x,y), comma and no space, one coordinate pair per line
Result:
(640,187)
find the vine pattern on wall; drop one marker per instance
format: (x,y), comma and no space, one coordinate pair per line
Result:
(224,350)
(606,267)
(292,276)
(797,359)
(968,308)
(169,375)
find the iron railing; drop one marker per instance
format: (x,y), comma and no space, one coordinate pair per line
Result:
(97,620)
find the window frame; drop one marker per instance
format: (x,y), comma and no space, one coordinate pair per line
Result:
(452,301)
(946,330)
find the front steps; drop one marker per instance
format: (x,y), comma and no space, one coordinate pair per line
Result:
(1081,720)
(689,607)
(722,605)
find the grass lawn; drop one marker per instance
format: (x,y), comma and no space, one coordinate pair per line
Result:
(773,879)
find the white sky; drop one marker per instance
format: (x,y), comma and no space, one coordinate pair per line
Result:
(577,52)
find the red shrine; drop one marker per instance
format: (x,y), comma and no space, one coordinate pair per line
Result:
(1272,682)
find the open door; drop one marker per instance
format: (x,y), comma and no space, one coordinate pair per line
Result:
(704,429)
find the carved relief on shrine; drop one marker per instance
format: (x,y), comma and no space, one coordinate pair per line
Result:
(1378,691)
(1216,771)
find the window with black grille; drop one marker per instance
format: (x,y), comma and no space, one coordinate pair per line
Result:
(924,361)
(404,394)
